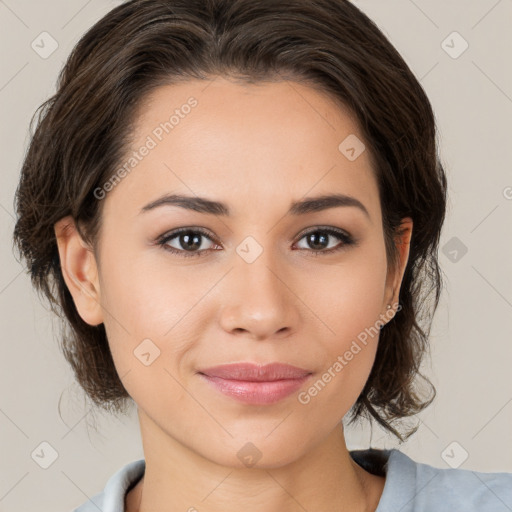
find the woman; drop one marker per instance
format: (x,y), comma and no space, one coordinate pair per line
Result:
(237,207)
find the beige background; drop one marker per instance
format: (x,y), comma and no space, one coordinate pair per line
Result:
(472,335)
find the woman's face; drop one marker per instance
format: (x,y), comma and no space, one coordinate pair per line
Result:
(250,287)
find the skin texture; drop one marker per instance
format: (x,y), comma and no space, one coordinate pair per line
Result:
(257,148)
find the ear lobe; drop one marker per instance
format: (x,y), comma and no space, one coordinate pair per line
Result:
(79,270)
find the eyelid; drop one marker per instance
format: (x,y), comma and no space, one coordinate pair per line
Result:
(313,229)
(173,232)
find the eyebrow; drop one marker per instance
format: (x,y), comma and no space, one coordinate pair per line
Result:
(301,207)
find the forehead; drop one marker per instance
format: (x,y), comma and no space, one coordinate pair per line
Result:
(245,144)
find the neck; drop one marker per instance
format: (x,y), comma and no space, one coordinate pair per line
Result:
(178,478)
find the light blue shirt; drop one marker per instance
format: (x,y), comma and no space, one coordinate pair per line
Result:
(410,486)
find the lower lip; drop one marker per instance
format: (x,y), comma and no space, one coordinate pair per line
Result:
(256,393)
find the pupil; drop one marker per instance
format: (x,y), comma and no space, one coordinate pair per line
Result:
(191,241)
(317,241)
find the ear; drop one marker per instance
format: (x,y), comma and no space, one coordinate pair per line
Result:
(395,275)
(79,270)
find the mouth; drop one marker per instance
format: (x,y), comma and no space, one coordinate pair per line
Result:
(255,384)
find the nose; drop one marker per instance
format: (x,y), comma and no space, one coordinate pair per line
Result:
(258,300)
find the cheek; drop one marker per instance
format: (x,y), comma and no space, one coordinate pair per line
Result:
(146,298)
(347,297)
(143,301)
(147,333)
(348,301)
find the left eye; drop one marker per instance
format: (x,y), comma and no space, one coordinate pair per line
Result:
(190,240)
(320,236)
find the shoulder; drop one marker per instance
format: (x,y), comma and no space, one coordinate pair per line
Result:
(416,487)
(111,498)
(432,488)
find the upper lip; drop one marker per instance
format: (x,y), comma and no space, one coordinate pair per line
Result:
(255,372)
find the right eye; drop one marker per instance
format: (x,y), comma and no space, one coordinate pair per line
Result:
(188,238)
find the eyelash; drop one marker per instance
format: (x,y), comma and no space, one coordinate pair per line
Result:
(164,239)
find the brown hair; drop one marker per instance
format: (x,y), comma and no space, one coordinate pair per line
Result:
(83,130)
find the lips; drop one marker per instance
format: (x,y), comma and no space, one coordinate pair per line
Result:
(256,373)
(253,384)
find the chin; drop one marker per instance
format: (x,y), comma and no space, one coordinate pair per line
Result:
(258,453)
